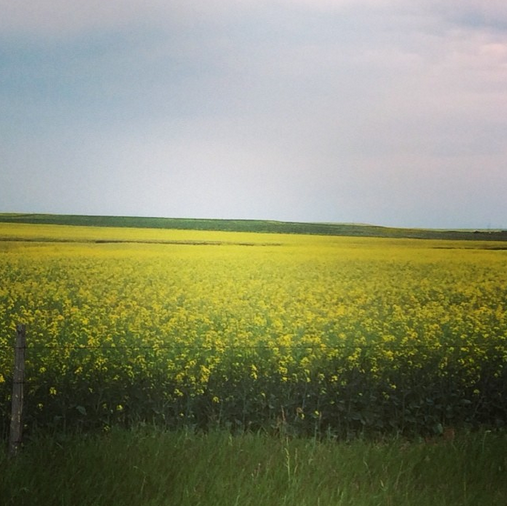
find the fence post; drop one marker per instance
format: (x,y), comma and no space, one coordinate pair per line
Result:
(16,428)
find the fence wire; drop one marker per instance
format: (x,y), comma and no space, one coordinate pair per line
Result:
(274,346)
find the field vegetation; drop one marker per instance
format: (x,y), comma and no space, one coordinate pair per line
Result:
(150,467)
(256,226)
(287,334)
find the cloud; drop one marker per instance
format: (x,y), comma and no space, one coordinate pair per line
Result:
(54,18)
(346,110)
(64,18)
(473,14)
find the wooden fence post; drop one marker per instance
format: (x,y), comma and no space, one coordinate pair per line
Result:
(16,429)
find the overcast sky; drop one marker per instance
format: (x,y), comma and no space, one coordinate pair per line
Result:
(389,112)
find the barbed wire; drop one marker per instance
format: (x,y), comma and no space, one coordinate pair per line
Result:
(275,346)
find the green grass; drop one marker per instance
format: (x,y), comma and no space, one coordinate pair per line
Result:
(260,226)
(147,467)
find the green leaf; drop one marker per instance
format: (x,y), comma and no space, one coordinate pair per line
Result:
(81,410)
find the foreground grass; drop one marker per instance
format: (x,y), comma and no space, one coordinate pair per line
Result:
(155,468)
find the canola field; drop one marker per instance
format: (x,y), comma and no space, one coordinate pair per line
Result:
(284,333)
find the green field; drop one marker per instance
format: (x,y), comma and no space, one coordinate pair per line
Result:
(256,226)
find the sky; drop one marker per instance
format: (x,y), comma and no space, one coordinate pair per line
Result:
(385,112)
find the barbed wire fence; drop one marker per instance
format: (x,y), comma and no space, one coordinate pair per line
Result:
(23,347)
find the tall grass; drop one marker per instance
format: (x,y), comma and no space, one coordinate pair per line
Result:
(181,468)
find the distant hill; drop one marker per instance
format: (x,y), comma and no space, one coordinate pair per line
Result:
(264,226)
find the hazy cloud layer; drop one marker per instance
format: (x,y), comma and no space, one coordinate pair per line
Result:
(378,111)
